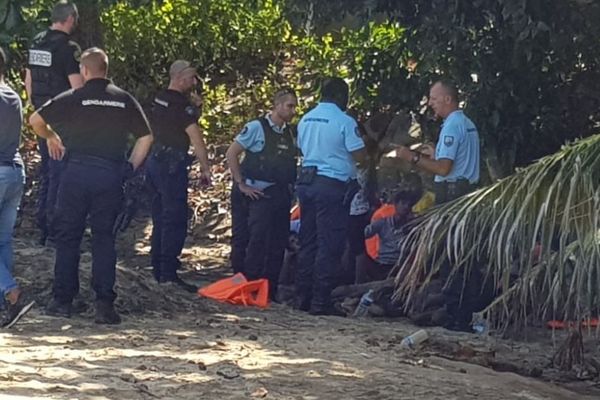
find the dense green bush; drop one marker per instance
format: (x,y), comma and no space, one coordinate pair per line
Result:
(529,69)
(233,42)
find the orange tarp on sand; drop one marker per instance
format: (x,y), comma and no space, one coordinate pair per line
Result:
(238,290)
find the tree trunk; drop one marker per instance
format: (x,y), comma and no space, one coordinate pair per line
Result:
(90,32)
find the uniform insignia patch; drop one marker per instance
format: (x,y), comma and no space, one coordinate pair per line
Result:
(191,111)
(76,50)
(357,132)
(40,58)
(244,131)
(449,140)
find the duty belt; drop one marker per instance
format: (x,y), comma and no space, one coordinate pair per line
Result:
(94,161)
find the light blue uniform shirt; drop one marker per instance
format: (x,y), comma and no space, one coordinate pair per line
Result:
(252,139)
(459,142)
(326,136)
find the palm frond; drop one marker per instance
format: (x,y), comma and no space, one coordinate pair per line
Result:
(551,207)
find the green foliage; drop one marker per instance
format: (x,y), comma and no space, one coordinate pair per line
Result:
(537,64)
(373,59)
(233,43)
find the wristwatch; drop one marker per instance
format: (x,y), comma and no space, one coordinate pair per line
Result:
(416,157)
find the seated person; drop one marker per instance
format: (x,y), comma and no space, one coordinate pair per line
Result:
(389,229)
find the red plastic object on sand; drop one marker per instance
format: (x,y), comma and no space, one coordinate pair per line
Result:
(586,323)
(238,290)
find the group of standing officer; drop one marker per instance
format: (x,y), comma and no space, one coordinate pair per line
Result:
(84,122)
(85,134)
(331,146)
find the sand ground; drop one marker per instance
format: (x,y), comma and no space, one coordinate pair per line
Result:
(173,345)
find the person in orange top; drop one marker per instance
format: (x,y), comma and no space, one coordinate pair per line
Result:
(390,232)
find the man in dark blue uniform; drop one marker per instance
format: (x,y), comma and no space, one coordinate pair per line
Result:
(261,192)
(174,121)
(94,123)
(331,144)
(52,68)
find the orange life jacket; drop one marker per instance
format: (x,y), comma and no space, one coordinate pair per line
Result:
(372,243)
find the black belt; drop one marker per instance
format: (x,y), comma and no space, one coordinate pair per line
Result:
(11,164)
(94,161)
(332,181)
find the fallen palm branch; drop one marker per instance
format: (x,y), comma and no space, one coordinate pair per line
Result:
(535,235)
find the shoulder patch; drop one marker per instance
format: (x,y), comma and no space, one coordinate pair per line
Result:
(244,130)
(357,132)
(40,36)
(76,50)
(448,140)
(192,111)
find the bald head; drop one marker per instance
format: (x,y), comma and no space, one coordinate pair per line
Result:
(94,63)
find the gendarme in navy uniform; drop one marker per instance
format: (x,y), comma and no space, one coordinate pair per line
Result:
(261,192)
(52,68)
(91,125)
(330,142)
(174,121)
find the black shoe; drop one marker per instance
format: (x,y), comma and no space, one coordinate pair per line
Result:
(188,287)
(79,306)
(106,314)
(14,312)
(302,303)
(58,309)
(327,311)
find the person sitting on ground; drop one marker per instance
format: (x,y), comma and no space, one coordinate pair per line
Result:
(12,179)
(412,181)
(390,232)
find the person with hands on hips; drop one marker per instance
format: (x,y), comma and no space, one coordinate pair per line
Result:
(455,162)
(261,192)
(89,128)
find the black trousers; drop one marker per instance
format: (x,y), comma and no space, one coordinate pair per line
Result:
(169,184)
(324,224)
(89,186)
(447,191)
(260,230)
(49,180)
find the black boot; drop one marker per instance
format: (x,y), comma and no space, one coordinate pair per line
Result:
(106,313)
(177,281)
(58,309)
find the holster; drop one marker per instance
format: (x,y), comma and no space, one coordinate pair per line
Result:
(307,175)
(172,158)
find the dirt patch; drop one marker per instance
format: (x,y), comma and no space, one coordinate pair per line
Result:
(175,345)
